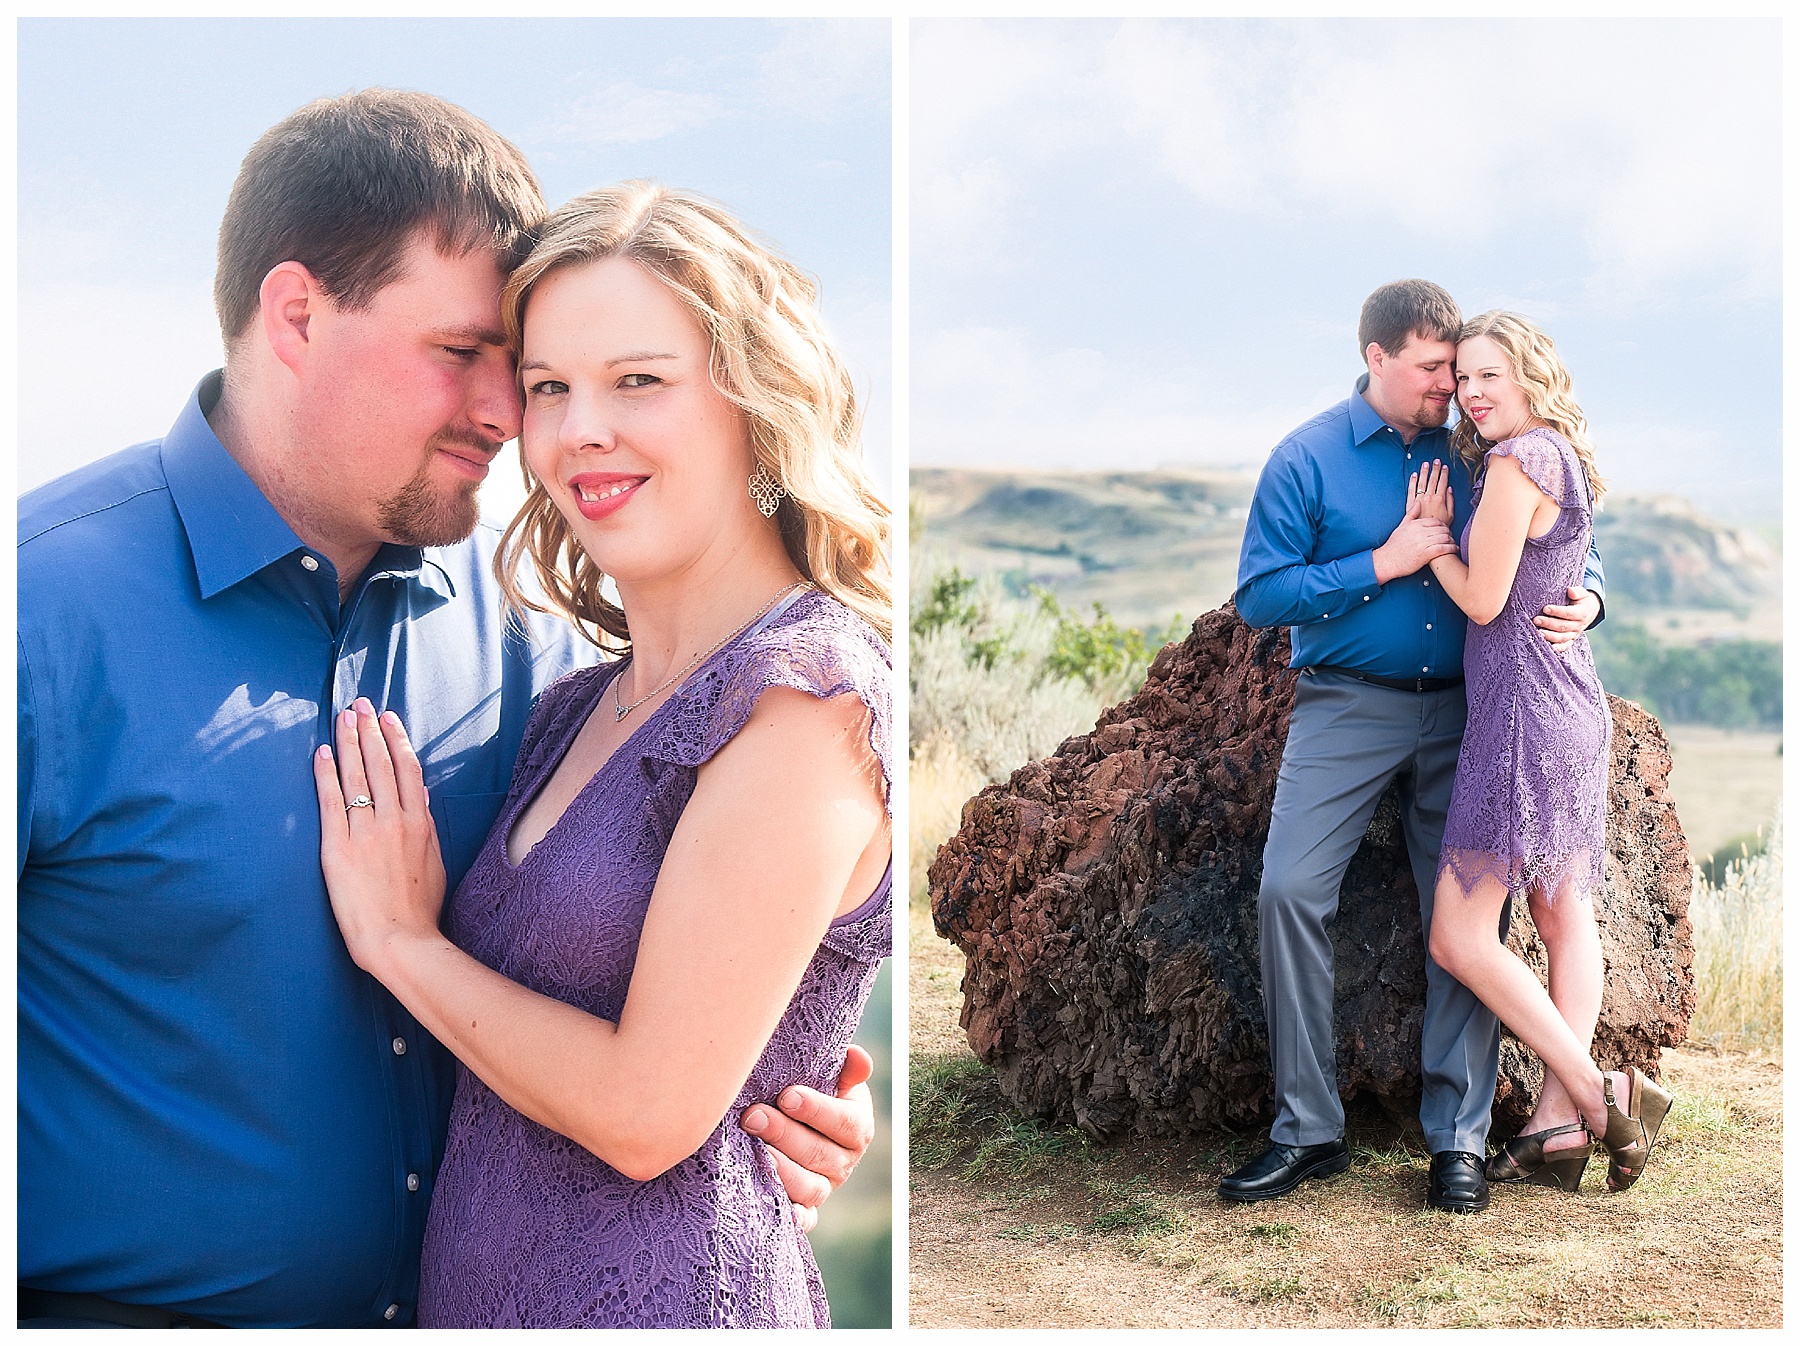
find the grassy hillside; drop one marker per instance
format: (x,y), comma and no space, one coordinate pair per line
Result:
(1146,544)
(1150,544)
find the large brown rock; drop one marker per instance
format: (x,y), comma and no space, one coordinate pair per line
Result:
(1106,900)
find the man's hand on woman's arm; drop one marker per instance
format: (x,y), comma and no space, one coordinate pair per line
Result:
(817,1139)
(1562,623)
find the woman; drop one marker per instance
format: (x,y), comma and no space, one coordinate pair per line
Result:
(682,904)
(1528,810)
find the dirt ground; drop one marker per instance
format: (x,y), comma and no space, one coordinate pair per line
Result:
(1018,1225)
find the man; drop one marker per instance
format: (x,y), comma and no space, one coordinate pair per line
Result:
(1379,699)
(220,1119)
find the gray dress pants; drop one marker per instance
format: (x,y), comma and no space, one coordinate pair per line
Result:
(1347,740)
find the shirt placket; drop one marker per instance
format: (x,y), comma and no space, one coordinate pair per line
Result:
(356,663)
(1429,659)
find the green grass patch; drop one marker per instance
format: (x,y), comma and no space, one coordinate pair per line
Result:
(1134,1217)
(1260,1287)
(1696,1114)
(947,1099)
(1414,1296)
(1017,1146)
(1281,1235)
(1397,1153)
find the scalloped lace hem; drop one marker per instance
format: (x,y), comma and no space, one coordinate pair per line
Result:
(1577,872)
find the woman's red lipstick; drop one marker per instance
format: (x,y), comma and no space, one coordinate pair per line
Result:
(598,494)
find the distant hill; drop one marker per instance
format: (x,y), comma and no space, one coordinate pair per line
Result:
(1149,544)
(1660,552)
(1146,544)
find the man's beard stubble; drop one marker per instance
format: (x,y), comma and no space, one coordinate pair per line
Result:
(423,514)
(1431,415)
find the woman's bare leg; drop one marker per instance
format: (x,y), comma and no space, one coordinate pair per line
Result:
(1465,942)
(1572,946)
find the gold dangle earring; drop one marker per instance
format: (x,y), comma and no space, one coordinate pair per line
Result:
(766,492)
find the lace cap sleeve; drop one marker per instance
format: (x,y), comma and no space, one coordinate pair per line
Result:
(1547,459)
(569,696)
(817,646)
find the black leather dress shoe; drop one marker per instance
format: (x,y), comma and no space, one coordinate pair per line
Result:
(1456,1183)
(1279,1169)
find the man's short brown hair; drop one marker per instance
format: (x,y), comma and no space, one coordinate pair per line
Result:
(343,184)
(1403,309)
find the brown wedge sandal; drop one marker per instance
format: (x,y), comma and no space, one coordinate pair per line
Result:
(1631,1130)
(1522,1159)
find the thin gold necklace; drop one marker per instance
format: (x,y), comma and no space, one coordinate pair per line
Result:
(621,710)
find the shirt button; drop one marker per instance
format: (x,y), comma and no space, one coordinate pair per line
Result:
(1365,598)
(390,1311)
(1427,584)
(1426,669)
(399,1046)
(412,1182)
(1428,626)
(307,563)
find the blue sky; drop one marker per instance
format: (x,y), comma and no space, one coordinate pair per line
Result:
(131,131)
(1147,242)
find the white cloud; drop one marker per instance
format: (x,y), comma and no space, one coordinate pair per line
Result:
(628,113)
(820,65)
(860,323)
(983,397)
(1655,142)
(103,367)
(989,107)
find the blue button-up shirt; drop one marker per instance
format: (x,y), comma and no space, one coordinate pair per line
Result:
(217,1111)
(1332,492)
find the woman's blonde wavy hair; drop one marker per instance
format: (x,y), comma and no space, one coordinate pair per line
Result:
(1539,370)
(770,358)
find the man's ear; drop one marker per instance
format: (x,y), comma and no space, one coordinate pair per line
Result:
(1374,357)
(290,297)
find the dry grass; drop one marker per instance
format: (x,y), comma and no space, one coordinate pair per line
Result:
(940,779)
(1737,952)
(1041,1230)
(1018,1223)
(1726,784)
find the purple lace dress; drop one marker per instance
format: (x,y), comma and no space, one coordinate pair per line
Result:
(529,1229)
(1529,803)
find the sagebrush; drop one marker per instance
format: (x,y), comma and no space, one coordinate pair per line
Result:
(1006,680)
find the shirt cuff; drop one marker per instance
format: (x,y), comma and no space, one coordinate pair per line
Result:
(1358,576)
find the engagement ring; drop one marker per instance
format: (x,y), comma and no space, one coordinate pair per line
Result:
(360,802)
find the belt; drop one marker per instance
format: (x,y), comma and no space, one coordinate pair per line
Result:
(55,1304)
(1398,684)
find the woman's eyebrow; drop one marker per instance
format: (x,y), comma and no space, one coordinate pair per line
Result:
(616,360)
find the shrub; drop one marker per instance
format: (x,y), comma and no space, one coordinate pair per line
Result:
(1005,681)
(1111,659)
(1732,683)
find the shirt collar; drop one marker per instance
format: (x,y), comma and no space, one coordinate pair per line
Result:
(232,529)
(1364,419)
